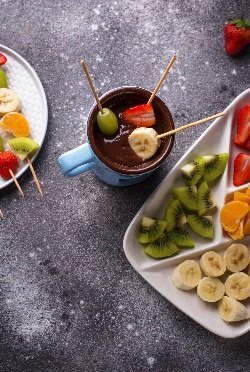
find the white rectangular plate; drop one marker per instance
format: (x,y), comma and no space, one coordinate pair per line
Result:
(216,139)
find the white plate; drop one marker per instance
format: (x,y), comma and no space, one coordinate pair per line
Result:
(25,82)
(216,139)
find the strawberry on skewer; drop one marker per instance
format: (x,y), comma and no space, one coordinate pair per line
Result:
(241,169)
(242,137)
(8,165)
(143,115)
(3,59)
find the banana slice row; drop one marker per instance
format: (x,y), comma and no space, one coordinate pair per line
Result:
(9,101)
(143,142)
(232,310)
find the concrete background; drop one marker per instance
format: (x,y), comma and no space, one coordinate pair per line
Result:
(69,299)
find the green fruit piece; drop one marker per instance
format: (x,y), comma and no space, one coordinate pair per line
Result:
(174,215)
(107,122)
(150,229)
(192,172)
(161,248)
(3,79)
(214,166)
(181,237)
(1,145)
(23,147)
(187,196)
(201,225)
(205,198)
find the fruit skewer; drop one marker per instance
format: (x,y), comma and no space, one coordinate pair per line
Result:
(143,115)
(16,182)
(106,119)
(1,214)
(38,185)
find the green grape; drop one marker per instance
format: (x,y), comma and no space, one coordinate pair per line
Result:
(107,122)
(1,145)
(3,79)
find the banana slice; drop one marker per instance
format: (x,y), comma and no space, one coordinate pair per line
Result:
(210,289)
(232,310)
(143,142)
(236,257)
(9,101)
(238,286)
(212,264)
(187,275)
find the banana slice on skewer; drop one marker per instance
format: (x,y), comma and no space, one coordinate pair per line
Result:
(9,101)
(212,264)
(187,275)
(232,310)
(143,142)
(236,257)
(210,289)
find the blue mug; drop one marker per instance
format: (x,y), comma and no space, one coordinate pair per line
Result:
(89,155)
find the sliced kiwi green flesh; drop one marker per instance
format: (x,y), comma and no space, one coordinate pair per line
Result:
(161,248)
(214,166)
(23,147)
(1,145)
(150,229)
(206,200)
(193,171)
(3,79)
(187,196)
(201,225)
(181,238)
(174,215)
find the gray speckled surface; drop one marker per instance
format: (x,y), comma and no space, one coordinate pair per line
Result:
(69,299)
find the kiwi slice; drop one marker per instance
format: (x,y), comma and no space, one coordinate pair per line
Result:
(150,229)
(1,145)
(187,196)
(181,237)
(174,215)
(205,198)
(214,166)
(3,79)
(23,147)
(201,225)
(193,171)
(161,248)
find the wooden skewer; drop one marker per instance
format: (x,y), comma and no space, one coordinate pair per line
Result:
(34,176)
(1,214)
(190,125)
(162,79)
(16,182)
(84,67)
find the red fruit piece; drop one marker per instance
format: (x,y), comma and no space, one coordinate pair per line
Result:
(241,169)
(7,161)
(236,35)
(243,126)
(139,116)
(3,59)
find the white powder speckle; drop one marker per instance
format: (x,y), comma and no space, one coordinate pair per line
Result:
(94,27)
(98,59)
(234,72)
(97,11)
(151,361)
(130,327)
(207,63)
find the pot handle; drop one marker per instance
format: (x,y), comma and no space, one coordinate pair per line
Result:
(77,161)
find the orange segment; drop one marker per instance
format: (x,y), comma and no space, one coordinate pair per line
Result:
(231,215)
(248,191)
(246,227)
(240,196)
(15,123)
(238,234)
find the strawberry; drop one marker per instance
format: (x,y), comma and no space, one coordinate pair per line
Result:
(7,161)
(241,169)
(236,35)
(139,116)
(243,127)
(3,59)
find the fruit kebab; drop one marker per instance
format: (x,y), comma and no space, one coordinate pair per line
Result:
(106,119)
(143,115)
(145,141)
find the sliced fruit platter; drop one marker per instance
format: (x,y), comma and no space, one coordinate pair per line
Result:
(23,114)
(188,229)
